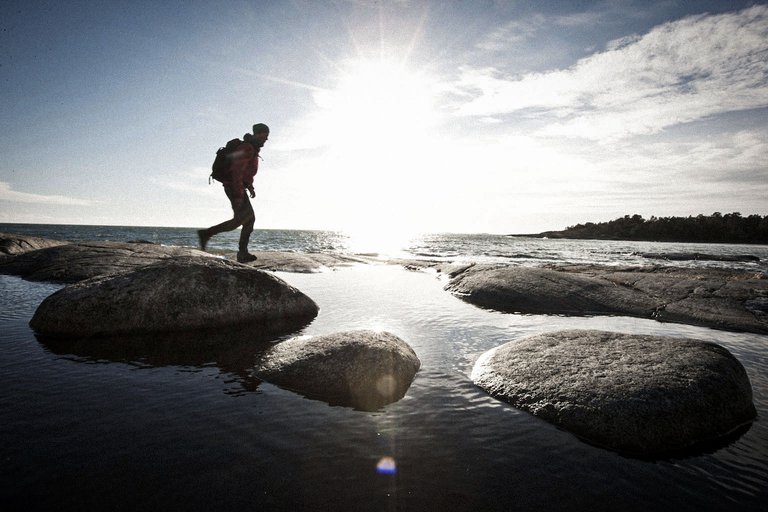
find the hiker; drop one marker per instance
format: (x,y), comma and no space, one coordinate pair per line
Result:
(243,168)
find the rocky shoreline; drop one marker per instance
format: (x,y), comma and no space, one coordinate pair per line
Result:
(116,290)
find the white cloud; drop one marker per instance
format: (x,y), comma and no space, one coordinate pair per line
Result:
(678,72)
(191,181)
(13,196)
(512,33)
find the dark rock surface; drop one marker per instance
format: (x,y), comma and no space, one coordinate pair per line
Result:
(175,294)
(39,259)
(73,262)
(11,244)
(716,298)
(361,369)
(301,262)
(697,256)
(541,290)
(645,395)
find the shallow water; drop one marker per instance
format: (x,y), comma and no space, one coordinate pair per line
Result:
(482,248)
(91,428)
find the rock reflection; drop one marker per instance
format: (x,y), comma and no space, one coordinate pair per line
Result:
(232,350)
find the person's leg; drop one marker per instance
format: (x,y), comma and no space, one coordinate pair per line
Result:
(247,219)
(237,206)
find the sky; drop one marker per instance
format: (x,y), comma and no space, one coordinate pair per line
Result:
(385,117)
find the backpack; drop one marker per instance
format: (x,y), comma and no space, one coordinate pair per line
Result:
(223,160)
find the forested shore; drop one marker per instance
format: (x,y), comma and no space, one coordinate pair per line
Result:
(715,228)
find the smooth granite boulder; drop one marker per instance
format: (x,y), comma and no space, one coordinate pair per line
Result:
(719,298)
(643,395)
(11,244)
(539,290)
(175,294)
(361,369)
(74,262)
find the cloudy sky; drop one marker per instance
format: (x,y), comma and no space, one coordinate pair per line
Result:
(457,116)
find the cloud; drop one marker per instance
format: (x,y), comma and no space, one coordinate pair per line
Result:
(190,181)
(681,71)
(512,34)
(13,196)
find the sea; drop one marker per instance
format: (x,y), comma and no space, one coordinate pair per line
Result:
(171,427)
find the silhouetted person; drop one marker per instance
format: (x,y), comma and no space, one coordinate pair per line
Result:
(243,168)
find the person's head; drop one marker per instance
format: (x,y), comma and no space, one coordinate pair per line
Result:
(260,133)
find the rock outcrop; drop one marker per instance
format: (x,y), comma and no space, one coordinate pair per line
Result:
(73,262)
(644,395)
(40,259)
(175,294)
(540,290)
(716,298)
(301,262)
(11,244)
(361,369)
(698,256)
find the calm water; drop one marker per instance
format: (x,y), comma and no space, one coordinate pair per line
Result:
(94,427)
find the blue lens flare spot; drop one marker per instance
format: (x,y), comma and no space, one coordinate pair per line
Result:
(386,466)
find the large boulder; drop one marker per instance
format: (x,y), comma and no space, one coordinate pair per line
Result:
(540,290)
(77,261)
(11,244)
(718,298)
(361,369)
(646,395)
(173,295)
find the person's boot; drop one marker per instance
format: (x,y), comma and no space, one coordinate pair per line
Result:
(203,237)
(245,257)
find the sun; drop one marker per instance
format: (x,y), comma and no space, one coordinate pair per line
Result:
(377,100)
(380,118)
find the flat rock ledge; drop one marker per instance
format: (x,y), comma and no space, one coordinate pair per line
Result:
(175,294)
(40,259)
(11,244)
(642,395)
(362,369)
(73,262)
(306,263)
(722,299)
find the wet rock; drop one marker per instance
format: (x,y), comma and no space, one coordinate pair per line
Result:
(301,262)
(11,244)
(715,298)
(539,290)
(175,294)
(361,369)
(646,395)
(698,256)
(77,261)
(709,297)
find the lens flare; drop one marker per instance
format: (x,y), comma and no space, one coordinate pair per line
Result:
(386,466)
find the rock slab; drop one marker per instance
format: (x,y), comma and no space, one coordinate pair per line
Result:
(361,369)
(715,298)
(646,395)
(73,262)
(540,290)
(11,244)
(175,294)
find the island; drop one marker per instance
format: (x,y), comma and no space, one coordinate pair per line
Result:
(715,228)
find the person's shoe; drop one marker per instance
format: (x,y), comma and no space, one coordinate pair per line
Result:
(203,238)
(245,257)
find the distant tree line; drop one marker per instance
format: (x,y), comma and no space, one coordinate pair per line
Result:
(728,228)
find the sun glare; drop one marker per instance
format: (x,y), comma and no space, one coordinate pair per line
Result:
(379,100)
(381,118)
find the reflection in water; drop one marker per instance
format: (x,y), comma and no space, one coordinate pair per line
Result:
(233,350)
